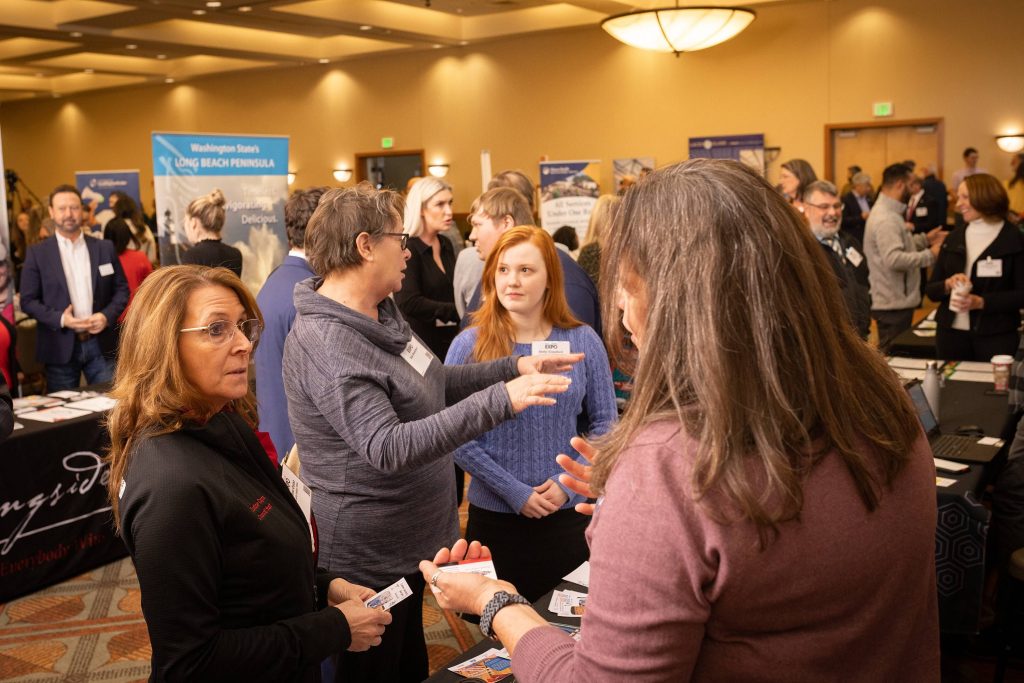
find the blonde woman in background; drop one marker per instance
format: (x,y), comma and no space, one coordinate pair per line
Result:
(204,221)
(600,218)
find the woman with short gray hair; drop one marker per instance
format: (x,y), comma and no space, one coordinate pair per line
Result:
(376,416)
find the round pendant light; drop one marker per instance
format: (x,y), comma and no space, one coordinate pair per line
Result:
(678,29)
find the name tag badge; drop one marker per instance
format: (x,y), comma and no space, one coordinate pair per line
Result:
(854,257)
(990,267)
(921,211)
(303,496)
(549,348)
(106,269)
(417,355)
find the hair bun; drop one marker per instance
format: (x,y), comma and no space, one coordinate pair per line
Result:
(217,197)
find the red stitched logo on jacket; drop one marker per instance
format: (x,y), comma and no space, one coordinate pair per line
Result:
(261,502)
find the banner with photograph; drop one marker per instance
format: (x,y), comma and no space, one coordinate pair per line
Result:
(251,171)
(568,192)
(625,172)
(747,149)
(96,186)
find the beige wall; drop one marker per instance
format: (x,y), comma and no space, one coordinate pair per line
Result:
(576,94)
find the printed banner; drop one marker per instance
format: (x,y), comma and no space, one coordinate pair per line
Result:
(568,192)
(625,172)
(6,262)
(748,149)
(96,186)
(251,171)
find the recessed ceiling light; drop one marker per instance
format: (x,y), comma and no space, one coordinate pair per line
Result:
(56,95)
(245,8)
(463,42)
(89,71)
(168,80)
(131,46)
(213,4)
(437,46)
(365,27)
(76,34)
(324,60)
(161,56)
(199,12)
(39,74)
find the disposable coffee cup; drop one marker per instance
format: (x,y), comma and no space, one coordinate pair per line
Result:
(1001,372)
(960,290)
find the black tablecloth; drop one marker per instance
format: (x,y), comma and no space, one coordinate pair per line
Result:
(446,676)
(963,523)
(55,520)
(910,345)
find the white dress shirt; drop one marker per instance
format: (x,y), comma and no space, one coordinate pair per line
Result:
(74,257)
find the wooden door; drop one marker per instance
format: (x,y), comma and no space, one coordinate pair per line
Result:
(875,145)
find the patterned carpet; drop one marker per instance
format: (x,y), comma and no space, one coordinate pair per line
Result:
(90,628)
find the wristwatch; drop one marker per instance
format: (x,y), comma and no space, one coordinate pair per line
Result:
(500,599)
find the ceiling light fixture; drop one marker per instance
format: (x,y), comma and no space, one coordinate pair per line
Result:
(343,175)
(365,27)
(131,46)
(245,8)
(76,34)
(161,56)
(168,80)
(324,60)
(678,29)
(213,4)
(199,12)
(437,46)
(438,170)
(1010,143)
(88,71)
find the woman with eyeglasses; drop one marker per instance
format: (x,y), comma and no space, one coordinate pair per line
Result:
(224,554)
(376,415)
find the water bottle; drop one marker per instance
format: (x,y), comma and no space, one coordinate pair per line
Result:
(931,386)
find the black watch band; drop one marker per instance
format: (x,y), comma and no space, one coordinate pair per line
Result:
(500,599)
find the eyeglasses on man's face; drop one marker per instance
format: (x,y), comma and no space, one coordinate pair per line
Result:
(404,238)
(221,332)
(838,206)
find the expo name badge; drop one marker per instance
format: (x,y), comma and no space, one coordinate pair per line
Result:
(417,355)
(549,348)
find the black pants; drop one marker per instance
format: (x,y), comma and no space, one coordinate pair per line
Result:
(891,324)
(402,654)
(532,554)
(953,344)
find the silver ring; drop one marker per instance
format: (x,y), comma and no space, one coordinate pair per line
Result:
(433,579)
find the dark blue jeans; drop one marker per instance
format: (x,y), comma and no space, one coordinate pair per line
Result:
(87,358)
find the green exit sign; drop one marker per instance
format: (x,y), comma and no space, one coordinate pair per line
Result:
(387,143)
(882,108)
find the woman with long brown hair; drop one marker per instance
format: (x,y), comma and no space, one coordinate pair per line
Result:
(230,588)
(516,505)
(767,505)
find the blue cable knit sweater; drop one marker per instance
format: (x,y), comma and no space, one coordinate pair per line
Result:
(508,461)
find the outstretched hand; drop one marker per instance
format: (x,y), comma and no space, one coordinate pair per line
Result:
(533,390)
(461,592)
(577,477)
(548,363)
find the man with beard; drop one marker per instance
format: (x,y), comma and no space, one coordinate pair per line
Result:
(896,257)
(823,209)
(74,287)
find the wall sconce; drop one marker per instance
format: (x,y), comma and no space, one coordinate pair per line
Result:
(1010,143)
(343,175)
(438,170)
(291,177)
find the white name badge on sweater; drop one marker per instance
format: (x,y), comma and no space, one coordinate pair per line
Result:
(106,269)
(549,348)
(854,257)
(921,211)
(417,355)
(303,496)
(990,267)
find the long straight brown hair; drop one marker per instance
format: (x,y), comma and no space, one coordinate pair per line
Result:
(747,345)
(495,334)
(153,395)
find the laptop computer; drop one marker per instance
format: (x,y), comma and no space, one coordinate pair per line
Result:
(950,446)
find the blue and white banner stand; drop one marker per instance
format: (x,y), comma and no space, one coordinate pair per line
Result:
(251,171)
(748,149)
(568,192)
(96,187)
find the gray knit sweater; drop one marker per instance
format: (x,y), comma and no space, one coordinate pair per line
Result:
(375,437)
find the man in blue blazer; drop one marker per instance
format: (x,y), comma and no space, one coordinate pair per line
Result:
(74,287)
(275,301)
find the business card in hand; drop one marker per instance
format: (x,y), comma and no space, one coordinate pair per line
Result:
(390,596)
(482,567)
